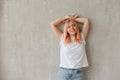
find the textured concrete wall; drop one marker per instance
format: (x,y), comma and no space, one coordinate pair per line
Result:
(29,49)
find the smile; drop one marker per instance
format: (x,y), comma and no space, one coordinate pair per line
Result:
(72,30)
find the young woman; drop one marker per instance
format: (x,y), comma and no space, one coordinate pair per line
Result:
(72,47)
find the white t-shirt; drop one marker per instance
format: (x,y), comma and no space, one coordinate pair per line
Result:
(73,55)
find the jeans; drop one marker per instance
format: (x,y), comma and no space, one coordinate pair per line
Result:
(69,74)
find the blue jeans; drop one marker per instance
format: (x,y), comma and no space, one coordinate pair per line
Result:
(69,74)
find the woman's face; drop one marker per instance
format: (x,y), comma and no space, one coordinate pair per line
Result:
(72,28)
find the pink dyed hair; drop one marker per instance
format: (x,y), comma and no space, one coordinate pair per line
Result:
(66,35)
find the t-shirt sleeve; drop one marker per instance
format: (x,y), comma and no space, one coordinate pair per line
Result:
(83,38)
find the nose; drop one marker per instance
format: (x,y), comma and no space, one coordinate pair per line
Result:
(71,27)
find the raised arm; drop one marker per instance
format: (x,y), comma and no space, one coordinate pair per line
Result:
(55,26)
(85,28)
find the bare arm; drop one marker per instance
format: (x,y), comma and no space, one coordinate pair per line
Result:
(55,28)
(85,28)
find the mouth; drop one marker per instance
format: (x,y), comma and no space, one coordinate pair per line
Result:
(72,31)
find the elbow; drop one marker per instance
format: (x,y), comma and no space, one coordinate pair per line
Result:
(52,23)
(87,20)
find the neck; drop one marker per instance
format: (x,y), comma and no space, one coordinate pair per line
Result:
(72,36)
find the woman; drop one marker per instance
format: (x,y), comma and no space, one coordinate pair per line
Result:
(72,47)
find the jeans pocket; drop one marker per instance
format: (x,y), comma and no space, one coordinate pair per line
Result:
(79,70)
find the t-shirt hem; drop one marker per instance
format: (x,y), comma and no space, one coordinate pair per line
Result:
(74,67)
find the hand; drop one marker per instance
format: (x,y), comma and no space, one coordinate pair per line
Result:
(66,18)
(74,16)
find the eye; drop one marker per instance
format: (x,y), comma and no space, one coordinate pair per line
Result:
(68,26)
(73,25)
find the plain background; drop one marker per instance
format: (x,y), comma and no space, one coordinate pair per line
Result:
(29,50)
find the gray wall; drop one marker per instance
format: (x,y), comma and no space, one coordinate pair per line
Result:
(29,49)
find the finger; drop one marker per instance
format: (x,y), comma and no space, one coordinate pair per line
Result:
(73,15)
(76,16)
(69,15)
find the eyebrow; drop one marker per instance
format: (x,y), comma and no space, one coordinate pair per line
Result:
(72,24)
